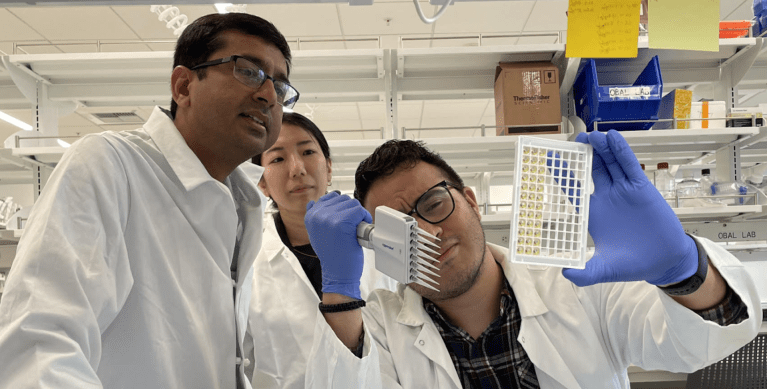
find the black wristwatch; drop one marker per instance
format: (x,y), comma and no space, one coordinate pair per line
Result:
(694,282)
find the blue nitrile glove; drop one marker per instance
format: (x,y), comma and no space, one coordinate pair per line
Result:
(636,233)
(332,226)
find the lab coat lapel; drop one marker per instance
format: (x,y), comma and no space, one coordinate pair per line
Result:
(251,211)
(251,215)
(532,337)
(300,304)
(283,264)
(428,341)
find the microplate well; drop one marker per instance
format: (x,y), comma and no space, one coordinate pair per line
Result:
(549,220)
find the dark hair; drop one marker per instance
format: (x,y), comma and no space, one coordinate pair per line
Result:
(202,38)
(307,125)
(393,155)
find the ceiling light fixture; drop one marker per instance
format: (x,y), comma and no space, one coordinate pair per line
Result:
(221,7)
(224,8)
(436,16)
(16,122)
(172,17)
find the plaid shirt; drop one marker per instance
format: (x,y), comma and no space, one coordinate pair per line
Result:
(497,360)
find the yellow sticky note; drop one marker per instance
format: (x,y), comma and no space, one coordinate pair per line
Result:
(683,24)
(602,28)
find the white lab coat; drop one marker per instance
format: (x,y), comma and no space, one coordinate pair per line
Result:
(122,278)
(576,337)
(283,311)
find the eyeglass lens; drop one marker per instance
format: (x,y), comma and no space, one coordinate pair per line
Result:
(436,204)
(253,76)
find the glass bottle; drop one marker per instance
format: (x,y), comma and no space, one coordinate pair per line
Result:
(665,183)
(688,187)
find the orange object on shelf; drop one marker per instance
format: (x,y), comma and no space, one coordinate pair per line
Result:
(734,29)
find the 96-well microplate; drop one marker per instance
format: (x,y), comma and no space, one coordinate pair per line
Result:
(549,223)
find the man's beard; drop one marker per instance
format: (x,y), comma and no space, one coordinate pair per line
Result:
(467,280)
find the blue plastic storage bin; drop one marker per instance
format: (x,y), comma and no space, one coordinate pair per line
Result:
(760,7)
(639,101)
(762,22)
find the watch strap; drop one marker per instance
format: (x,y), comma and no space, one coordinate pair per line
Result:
(692,283)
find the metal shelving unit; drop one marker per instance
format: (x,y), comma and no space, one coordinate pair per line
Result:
(393,75)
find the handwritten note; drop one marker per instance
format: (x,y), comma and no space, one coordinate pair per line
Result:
(683,24)
(602,28)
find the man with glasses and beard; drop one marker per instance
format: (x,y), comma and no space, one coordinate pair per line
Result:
(135,268)
(650,296)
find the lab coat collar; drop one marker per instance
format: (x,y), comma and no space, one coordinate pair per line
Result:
(184,162)
(251,202)
(528,299)
(412,312)
(530,302)
(429,341)
(544,355)
(272,246)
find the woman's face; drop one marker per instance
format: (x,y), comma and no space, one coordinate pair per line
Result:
(296,171)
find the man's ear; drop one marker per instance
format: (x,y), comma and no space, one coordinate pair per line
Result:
(179,85)
(471,198)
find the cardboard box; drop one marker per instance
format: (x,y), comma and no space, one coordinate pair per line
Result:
(527,93)
(675,105)
(707,109)
(745,117)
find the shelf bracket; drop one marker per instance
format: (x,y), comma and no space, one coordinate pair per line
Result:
(46,111)
(391,94)
(728,163)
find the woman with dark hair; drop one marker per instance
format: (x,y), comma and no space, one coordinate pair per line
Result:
(287,280)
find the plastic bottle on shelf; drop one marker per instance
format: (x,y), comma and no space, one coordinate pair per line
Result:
(688,187)
(755,175)
(665,183)
(732,189)
(706,180)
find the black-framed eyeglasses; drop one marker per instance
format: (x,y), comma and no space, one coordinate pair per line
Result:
(250,74)
(436,204)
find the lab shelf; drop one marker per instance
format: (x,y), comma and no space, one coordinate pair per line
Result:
(681,68)
(694,214)
(754,148)
(392,75)
(464,72)
(465,155)
(142,78)
(10,236)
(680,147)
(691,214)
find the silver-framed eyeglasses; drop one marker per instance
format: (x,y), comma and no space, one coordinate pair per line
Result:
(250,74)
(436,204)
